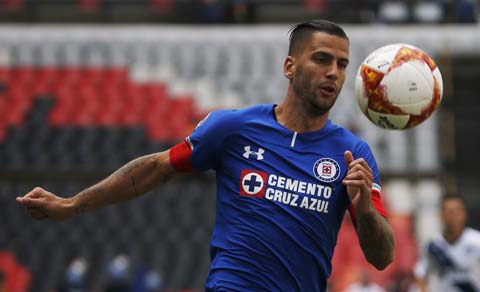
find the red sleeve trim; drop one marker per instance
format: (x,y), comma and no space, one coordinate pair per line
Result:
(180,157)
(377,204)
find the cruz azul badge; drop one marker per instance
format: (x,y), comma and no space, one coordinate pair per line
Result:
(326,170)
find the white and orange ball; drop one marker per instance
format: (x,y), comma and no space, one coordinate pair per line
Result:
(398,86)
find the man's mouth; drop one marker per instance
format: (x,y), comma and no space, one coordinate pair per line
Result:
(328,89)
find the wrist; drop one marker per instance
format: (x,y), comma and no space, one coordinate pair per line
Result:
(72,206)
(364,208)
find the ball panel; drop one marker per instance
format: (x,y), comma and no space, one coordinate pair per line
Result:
(376,92)
(428,110)
(382,58)
(360,94)
(408,53)
(371,77)
(405,90)
(388,121)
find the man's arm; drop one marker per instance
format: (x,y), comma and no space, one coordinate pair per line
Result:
(376,238)
(131,180)
(374,231)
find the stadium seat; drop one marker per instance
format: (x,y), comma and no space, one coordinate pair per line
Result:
(5,74)
(88,6)
(13,5)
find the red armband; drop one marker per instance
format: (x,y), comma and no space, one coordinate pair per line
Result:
(377,204)
(180,157)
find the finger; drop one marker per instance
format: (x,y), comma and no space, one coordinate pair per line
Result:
(359,175)
(36,213)
(348,157)
(37,192)
(361,169)
(358,183)
(29,202)
(355,183)
(360,161)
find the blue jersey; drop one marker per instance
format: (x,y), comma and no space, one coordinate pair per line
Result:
(280,198)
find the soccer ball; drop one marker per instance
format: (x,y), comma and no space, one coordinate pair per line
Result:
(398,86)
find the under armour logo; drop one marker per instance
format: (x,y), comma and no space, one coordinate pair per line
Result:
(249,152)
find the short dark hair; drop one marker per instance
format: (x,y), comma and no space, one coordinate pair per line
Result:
(301,32)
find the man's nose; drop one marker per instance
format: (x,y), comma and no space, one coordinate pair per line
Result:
(332,72)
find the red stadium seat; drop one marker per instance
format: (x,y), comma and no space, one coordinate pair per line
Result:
(86,106)
(105,118)
(65,105)
(13,5)
(88,6)
(163,6)
(43,81)
(3,121)
(17,277)
(22,75)
(5,73)
(131,112)
(314,5)
(98,96)
(18,103)
(115,76)
(67,76)
(159,131)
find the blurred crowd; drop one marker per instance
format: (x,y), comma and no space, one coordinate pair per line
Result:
(240,11)
(122,276)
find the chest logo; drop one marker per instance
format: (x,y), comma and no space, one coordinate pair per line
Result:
(252,183)
(326,170)
(248,151)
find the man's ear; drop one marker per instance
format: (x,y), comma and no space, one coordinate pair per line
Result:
(289,67)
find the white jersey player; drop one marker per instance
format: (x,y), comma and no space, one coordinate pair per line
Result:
(450,262)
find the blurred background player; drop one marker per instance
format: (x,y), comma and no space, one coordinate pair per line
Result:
(119,274)
(75,277)
(365,284)
(450,262)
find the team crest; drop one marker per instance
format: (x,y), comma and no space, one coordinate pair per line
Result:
(326,170)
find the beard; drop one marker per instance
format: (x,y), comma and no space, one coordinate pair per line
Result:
(309,94)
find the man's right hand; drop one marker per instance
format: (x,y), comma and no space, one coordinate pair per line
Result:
(41,205)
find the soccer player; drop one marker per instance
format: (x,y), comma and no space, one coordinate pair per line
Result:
(285,177)
(450,262)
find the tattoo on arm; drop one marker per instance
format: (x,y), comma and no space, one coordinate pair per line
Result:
(85,196)
(129,181)
(134,186)
(376,239)
(135,164)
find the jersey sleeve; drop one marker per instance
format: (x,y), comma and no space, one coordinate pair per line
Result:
(364,151)
(201,150)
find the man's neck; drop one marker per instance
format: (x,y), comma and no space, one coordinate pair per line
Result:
(451,236)
(298,119)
